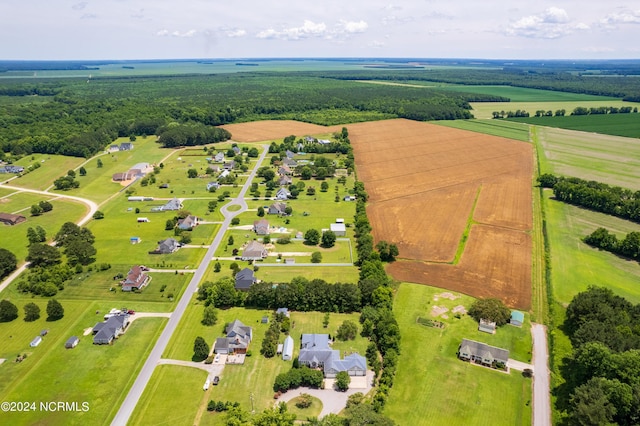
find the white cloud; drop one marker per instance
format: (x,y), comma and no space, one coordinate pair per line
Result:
(310,29)
(167,33)
(623,17)
(354,27)
(89,16)
(550,24)
(236,33)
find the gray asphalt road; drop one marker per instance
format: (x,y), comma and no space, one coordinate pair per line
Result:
(541,388)
(132,398)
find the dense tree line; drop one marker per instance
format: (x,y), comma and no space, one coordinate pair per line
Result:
(603,239)
(602,377)
(593,195)
(189,135)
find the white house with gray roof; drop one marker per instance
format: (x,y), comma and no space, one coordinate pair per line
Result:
(315,352)
(481,353)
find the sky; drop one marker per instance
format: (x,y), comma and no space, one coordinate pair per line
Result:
(180,29)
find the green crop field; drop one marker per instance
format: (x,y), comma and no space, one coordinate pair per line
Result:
(610,159)
(157,406)
(485,109)
(433,387)
(76,375)
(627,125)
(519,94)
(502,128)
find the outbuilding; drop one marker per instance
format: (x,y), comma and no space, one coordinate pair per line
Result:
(72,342)
(35,342)
(287,349)
(517,318)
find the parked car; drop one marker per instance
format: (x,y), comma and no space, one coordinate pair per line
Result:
(131,312)
(216,380)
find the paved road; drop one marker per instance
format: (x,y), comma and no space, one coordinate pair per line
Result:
(541,388)
(302,264)
(132,398)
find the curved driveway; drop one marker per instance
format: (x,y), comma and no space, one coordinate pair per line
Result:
(132,398)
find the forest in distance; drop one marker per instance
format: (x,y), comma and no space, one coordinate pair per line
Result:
(79,116)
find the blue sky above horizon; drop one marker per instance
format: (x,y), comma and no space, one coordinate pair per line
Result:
(162,29)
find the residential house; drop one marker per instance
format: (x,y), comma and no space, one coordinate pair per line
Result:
(517,318)
(140,169)
(245,279)
(290,162)
(315,352)
(300,147)
(323,141)
(261,227)
(277,208)
(339,229)
(188,223)
(171,205)
(285,180)
(284,170)
(230,165)
(121,177)
(224,174)
(11,219)
(72,342)
(481,353)
(126,146)
(104,332)
(166,246)
(289,154)
(11,169)
(212,185)
(287,349)
(487,326)
(282,194)
(236,150)
(309,139)
(36,341)
(136,279)
(254,251)
(114,148)
(219,157)
(238,337)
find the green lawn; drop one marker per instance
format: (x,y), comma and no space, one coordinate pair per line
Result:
(157,406)
(14,238)
(51,168)
(53,373)
(304,413)
(485,109)
(575,265)
(450,391)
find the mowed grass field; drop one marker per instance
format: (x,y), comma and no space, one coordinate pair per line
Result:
(433,387)
(98,375)
(610,159)
(14,238)
(502,128)
(177,407)
(51,168)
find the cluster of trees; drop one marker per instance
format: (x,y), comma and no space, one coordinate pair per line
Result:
(8,262)
(603,110)
(296,377)
(510,114)
(175,135)
(628,247)
(220,406)
(321,168)
(490,309)
(342,145)
(77,243)
(66,182)
(40,208)
(221,294)
(280,323)
(306,295)
(200,349)
(9,311)
(593,195)
(602,383)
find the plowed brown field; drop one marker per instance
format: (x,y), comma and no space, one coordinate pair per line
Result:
(426,182)
(258,131)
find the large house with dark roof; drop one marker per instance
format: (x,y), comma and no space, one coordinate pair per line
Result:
(166,246)
(11,219)
(104,332)
(245,279)
(315,352)
(481,353)
(136,279)
(237,339)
